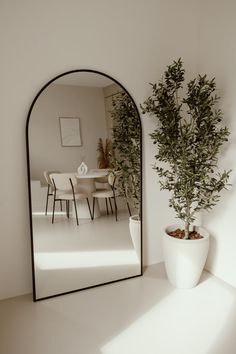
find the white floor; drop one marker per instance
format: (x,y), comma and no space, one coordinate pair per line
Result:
(136,316)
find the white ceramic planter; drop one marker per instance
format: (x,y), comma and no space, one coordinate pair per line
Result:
(135,233)
(185,259)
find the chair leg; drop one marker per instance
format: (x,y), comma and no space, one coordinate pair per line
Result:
(93,207)
(110,205)
(76,212)
(53,209)
(67,209)
(128,208)
(89,209)
(61,204)
(107,206)
(46,210)
(115,208)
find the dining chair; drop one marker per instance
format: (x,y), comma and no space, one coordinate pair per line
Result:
(50,187)
(65,189)
(102,185)
(101,182)
(109,194)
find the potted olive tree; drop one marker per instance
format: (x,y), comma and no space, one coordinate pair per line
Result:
(126,159)
(188,137)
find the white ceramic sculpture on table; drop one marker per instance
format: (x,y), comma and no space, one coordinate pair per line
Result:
(82,169)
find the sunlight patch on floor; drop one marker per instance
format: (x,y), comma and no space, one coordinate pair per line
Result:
(84,259)
(42,213)
(186,321)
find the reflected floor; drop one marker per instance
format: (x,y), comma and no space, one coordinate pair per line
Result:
(70,257)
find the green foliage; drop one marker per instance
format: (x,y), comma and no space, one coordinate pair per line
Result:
(189,135)
(126,142)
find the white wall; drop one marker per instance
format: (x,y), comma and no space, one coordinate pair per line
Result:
(46,150)
(217,58)
(131,40)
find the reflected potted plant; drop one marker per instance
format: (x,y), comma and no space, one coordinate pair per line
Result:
(104,153)
(188,137)
(126,160)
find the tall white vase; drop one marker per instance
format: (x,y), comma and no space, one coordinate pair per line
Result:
(135,233)
(184,259)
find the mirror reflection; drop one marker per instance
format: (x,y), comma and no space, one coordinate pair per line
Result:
(84,155)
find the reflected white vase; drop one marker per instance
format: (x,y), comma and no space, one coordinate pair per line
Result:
(184,259)
(82,169)
(135,233)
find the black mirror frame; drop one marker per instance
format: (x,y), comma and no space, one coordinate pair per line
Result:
(29,186)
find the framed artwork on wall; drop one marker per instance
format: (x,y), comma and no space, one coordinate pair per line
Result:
(70,131)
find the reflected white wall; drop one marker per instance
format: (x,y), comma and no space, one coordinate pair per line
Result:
(46,150)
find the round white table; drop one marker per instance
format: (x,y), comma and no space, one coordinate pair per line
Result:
(86,184)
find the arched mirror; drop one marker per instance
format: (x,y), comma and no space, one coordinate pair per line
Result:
(84,155)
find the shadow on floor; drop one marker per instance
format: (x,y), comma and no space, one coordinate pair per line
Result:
(82,322)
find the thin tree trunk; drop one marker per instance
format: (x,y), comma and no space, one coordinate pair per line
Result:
(187,224)
(186,230)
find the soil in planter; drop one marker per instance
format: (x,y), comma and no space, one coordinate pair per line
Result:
(178,233)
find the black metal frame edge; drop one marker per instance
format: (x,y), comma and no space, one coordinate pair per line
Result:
(88,287)
(29,187)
